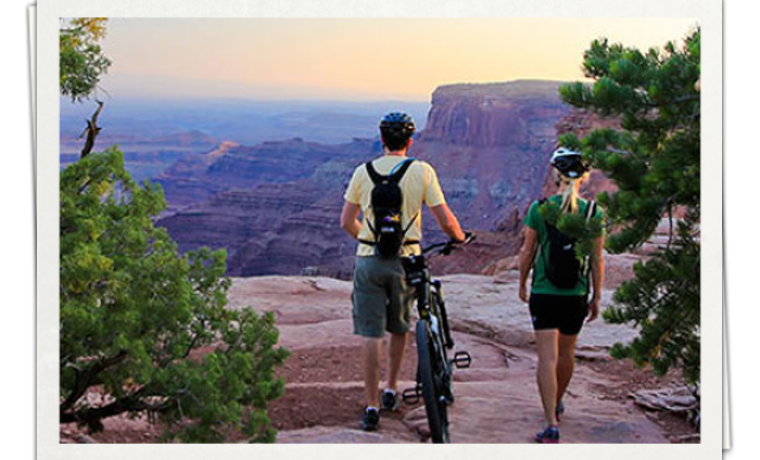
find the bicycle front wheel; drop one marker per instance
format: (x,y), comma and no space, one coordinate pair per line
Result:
(429,370)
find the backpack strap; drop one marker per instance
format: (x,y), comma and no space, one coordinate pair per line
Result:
(405,243)
(411,222)
(540,248)
(590,210)
(373,174)
(397,173)
(590,213)
(403,234)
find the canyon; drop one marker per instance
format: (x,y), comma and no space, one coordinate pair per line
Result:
(274,207)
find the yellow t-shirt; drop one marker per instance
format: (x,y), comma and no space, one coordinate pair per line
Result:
(419,185)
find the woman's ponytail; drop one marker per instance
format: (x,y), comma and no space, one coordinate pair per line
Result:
(571,193)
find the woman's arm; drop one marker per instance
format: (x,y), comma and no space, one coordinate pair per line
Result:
(527,255)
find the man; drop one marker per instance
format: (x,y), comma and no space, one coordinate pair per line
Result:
(382,301)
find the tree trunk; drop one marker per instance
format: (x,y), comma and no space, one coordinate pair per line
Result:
(92,130)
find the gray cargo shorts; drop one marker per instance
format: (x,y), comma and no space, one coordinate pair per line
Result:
(382,299)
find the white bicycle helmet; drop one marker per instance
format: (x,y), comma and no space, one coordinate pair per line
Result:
(569,163)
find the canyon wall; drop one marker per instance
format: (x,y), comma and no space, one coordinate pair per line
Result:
(275,207)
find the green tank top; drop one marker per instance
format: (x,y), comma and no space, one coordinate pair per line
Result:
(541,284)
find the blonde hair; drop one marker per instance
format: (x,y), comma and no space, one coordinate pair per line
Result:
(571,192)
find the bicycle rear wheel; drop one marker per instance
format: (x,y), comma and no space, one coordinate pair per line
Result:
(429,370)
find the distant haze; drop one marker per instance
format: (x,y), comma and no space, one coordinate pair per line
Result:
(202,81)
(127,121)
(353,59)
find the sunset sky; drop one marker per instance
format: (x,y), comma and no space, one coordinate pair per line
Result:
(357,59)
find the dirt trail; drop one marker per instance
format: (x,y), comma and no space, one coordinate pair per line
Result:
(496,398)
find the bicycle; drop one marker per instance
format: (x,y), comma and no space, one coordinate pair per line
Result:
(434,368)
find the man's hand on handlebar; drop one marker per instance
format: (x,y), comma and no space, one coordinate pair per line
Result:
(468,237)
(447,247)
(452,244)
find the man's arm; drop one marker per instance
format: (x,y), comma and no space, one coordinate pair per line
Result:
(527,255)
(448,222)
(349,219)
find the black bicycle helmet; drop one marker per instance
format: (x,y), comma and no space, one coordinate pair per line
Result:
(397,123)
(569,163)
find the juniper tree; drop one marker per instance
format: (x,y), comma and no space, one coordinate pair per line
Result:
(82,61)
(654,162)
(146,328)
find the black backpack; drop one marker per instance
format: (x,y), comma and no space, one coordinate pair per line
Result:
(386,201)
(563,269)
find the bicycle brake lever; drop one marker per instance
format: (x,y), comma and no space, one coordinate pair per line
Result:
(452,244)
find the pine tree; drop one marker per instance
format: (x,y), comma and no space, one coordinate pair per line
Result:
(654,162)
(146,328)
(82,62)
(143,327)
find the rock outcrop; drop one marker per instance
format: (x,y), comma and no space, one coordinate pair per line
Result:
(490,144)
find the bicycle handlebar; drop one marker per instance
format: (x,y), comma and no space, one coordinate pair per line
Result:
(450,245)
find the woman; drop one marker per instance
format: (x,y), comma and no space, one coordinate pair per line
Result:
(558,297)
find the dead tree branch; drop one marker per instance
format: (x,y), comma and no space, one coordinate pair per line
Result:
(91,131)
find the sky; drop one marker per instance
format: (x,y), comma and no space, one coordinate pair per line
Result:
(354,59)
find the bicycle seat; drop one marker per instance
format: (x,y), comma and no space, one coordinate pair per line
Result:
(414,268)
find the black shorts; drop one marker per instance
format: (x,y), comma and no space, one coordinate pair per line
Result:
(563,312)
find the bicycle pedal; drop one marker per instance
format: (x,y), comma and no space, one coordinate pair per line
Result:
(462,360)
(411,396)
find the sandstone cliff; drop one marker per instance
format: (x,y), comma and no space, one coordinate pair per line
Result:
(490,144)
(275,206)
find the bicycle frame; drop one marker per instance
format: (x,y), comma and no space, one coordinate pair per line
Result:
(432,311)
(427,289)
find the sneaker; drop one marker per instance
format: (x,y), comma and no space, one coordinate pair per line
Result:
(559,410)
(371,419)
(391,400)
(549,435)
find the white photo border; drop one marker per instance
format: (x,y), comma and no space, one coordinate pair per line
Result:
(709,14)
